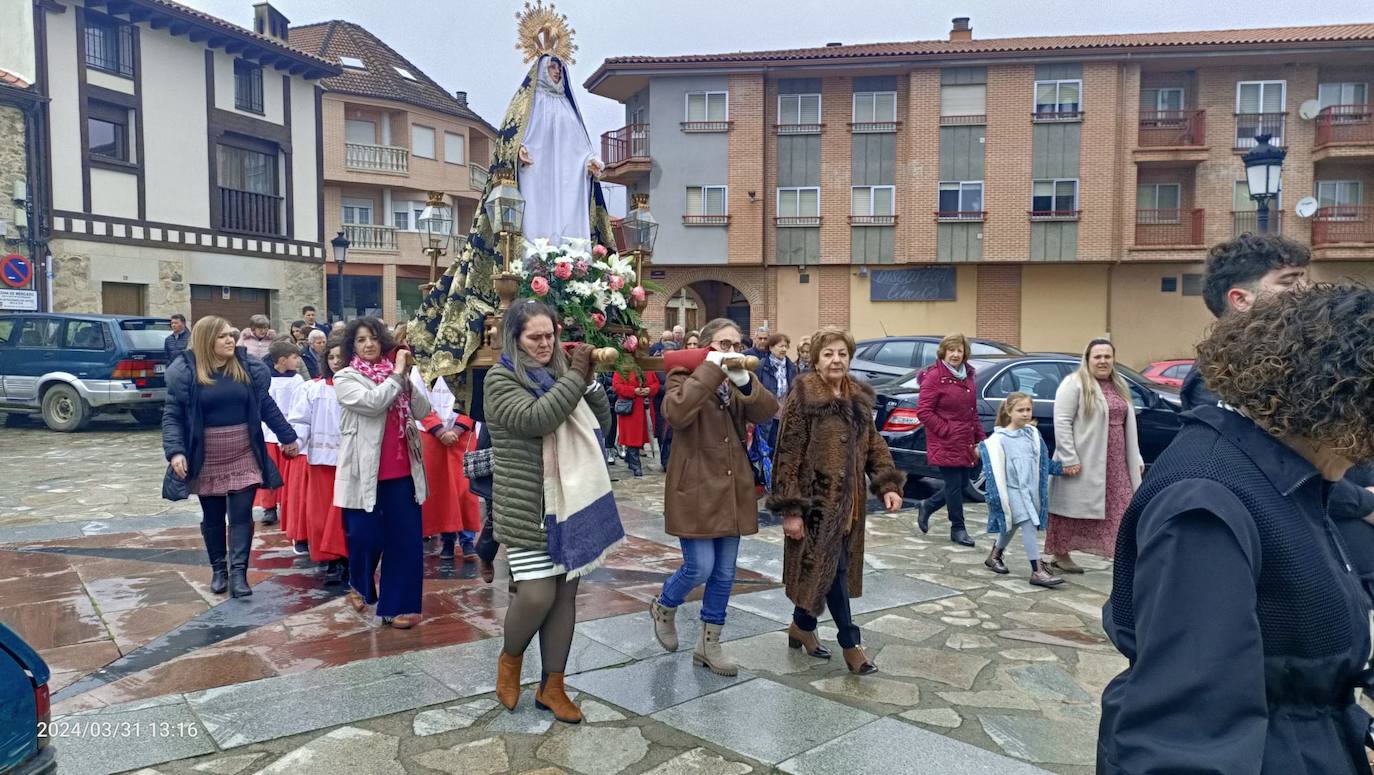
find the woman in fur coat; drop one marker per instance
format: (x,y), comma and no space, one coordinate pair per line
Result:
(827,443)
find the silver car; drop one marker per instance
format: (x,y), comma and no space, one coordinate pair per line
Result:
(879,360)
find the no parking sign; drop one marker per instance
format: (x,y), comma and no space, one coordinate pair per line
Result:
(16,271)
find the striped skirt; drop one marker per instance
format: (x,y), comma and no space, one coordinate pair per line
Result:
(229,463)
(530,564)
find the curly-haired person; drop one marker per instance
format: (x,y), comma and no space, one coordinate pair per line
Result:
(1234,599)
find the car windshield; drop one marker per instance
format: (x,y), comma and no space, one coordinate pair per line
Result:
(146,334)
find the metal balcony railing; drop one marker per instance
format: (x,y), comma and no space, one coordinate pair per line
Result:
(1248,125)
(1345,124)
(1178,226)
(364,236)
(1343,224)
(1172,128)
(1054,215)
(705,220)
(249,212)
(963,120)
(376,158)
(872,220)
(798,129)
(794,221)
(1247,221)
(625,143)
(961,215)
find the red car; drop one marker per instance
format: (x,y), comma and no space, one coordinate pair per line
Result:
(1168,373)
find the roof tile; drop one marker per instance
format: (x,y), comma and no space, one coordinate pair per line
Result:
(10,79)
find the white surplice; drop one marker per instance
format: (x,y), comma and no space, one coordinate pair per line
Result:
(556,187)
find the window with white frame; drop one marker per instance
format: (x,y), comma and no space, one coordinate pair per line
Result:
(875,107)
(799,109)
(1329,94)
(1339,199)
(421,141)
(455,148)
(707,107)
(1259,110)
(961,199)
(877,201)
(1164,99)
(1059,99)
(705,200)
(799,202)
(405,214)
(357,211)
(1056,197)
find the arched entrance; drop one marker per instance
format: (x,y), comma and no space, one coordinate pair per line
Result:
(695,304)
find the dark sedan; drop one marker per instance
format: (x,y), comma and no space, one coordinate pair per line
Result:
(1157,408)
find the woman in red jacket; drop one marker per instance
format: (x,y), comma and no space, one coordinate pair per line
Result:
(638,388)
(948,409)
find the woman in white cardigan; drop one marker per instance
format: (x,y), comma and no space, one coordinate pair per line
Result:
(1095,440)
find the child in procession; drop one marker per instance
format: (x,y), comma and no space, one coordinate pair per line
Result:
(1018,469)
(451,511)
(284,359)
(315,417)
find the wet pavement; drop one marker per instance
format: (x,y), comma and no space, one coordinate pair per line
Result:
(979,673)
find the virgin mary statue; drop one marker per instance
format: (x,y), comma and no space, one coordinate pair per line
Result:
(542,141)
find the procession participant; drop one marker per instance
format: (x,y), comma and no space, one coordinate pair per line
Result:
(709,501)
(380,481)
(554,510)
(315,415)
(218,401)
(451,510)
(634,392)
(283,358)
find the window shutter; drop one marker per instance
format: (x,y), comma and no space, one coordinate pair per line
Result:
(715,107)
(808,203)
(859,201)
(885,106)
(715,200)
(694,200)
(964,100)
(696,107)
(882,201)
(810,108)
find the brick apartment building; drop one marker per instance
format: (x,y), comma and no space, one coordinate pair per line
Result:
(391,134)
(1040,191)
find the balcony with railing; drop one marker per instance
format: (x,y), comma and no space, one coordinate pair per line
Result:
(626,153)
(376,158)
(1348,127)
(1343,225)
(1175,227)
(1172,129)
(370,237)
(1251,125)
(249,213)
(477,177)
(954,216)
(1247,221)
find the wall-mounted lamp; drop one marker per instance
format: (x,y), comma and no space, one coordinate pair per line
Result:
(862,273)
(752,196)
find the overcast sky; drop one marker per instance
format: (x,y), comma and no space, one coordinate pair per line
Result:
(470,46)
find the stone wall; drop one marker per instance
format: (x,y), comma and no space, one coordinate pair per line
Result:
(301,287)
(13,167)
(171,294)
(73,290)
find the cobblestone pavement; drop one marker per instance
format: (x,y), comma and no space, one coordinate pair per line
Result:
(979,673)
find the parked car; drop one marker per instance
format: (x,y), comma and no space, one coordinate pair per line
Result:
(25,709)
(69,368)
(1168,373)
(880,360)
(1157,407)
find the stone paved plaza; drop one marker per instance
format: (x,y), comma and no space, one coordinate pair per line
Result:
(979,673)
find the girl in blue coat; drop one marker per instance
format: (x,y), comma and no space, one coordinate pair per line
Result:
(1018,469)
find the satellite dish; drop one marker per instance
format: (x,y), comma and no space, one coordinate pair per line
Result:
(1307,207)
(1309,109)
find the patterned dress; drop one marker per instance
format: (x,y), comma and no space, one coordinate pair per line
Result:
(1098,536)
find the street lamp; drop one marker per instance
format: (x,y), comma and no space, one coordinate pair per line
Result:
(340,245)
(436,222)
(1263,168)
(506,212)
(640,229)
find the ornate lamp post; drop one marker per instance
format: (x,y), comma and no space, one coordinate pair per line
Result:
(641,231)
(1263,168)
(506,212)
(340,246)
(436,223)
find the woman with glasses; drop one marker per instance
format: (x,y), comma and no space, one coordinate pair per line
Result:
(709,500)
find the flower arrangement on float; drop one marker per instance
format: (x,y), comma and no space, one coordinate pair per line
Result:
(597,293)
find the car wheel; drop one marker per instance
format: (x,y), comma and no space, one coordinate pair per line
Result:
(64,409)
(147,415)
(976,490)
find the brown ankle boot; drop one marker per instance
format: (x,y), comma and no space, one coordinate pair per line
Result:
(994,561)
(858,662)
(508,679)
(808,642)
(1041,577)
(551,696)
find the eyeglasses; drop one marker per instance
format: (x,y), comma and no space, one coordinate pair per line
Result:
(725,345)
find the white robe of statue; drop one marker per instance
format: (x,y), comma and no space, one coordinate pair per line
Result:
(556,185)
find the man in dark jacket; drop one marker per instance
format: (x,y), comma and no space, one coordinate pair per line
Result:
(1238,272)
(175,343)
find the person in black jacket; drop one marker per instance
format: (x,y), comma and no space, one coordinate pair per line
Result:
(217,402)
(1233,596)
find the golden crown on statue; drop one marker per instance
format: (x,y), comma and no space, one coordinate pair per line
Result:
(544,31)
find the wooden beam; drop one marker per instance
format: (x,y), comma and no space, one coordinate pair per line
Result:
(179,28)
(199,36)
(95,3)
(216,41)
(158,21)
(234,46)
(297,69)
(137,15)
(52,6)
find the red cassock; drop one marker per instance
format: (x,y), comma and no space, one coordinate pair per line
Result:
(323,519)
(295,521)
(450,505)
(270,499)
(634,427)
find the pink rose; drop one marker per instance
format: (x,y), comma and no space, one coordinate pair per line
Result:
(638,293)
(631,343)
(562,271)
(599,319)
(599,251)
(616,282)
(581,267)
(540,286)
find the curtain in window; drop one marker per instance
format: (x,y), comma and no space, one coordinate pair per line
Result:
(245,170)
(964,100)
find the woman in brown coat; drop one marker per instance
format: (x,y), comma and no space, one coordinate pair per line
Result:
(709,499)
(826,445)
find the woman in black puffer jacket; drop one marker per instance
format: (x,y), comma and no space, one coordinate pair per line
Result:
(217,402)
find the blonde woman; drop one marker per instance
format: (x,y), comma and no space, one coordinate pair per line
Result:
(212,421)
(1095,441)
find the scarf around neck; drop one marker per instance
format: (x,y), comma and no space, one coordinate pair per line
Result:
(961,373)
(378,373)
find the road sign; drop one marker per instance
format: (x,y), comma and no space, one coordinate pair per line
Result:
(19,301)
(16,271)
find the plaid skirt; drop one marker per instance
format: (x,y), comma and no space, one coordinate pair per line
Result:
(229,462)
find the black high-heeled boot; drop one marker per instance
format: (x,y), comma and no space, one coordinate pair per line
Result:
(240,545)
(215,548)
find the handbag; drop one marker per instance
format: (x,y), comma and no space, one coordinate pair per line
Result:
(479,464)
(624,406)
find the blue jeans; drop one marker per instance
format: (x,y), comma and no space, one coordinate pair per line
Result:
(709,561)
